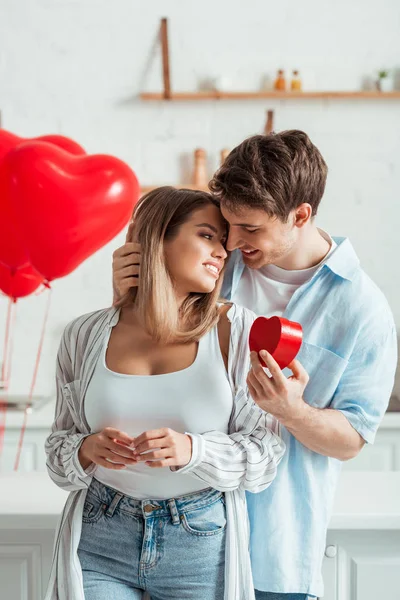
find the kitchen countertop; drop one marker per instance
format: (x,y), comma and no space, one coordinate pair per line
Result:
(43,418)
(364,501)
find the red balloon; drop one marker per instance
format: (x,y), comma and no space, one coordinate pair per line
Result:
(13,251)
(66,206)
(61,142)
(19,283)
(280,337)
(10,140)
(19,278)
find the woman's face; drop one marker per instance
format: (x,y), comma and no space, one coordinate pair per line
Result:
(196,256)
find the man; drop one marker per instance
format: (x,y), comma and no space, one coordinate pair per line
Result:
(270,188)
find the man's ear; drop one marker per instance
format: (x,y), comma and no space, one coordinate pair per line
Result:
(303,214)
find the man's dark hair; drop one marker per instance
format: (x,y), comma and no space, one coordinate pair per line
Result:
(275,173)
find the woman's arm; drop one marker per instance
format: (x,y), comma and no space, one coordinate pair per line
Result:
(73,452)
(247,459)
(63,443)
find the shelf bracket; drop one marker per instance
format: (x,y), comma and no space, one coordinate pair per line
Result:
(165,58)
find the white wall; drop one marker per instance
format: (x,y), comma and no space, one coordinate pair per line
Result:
(76,67)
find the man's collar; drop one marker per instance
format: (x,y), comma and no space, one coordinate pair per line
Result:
(343,261)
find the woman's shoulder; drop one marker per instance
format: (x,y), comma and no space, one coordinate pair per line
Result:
(234,325)
(236,316)
(233,329)
(224,328)
(82,325)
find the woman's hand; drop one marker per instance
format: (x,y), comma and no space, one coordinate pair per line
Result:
(173,449)
(108,448)
(126,265)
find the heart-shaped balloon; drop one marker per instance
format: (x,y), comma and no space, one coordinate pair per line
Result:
(280,337)
(17,277)
(9,140)
(20,283)
(67,207)
(13,250)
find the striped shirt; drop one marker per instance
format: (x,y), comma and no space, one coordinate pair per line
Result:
(244,459)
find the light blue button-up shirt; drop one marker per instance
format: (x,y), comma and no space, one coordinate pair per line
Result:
(350,353)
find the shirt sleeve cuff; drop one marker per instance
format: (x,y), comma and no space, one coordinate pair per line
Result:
(198,449)
(356,421)
(77,464)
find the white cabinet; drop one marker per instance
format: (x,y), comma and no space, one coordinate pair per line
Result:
(362,554)
(363,565)
(25,560)
(29,510)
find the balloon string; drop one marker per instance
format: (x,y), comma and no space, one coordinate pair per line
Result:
(11,343)
(6,342)
(3,416)
(28,408)
(6,368)
(45,285)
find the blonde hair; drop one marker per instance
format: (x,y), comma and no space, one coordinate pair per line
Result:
(157,218)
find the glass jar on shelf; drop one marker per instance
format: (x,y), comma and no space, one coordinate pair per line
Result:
(280,81)
(295,84)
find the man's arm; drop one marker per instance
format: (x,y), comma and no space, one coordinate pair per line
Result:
(357,406)
(326,431)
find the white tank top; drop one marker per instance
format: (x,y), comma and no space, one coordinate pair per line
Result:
(196,399)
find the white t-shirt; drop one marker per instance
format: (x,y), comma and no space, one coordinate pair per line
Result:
(267,291)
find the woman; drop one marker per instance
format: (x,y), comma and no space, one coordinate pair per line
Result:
(155,435)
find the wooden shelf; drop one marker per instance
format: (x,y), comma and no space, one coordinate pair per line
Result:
(183,96)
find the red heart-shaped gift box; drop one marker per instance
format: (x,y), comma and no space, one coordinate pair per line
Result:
(280,337)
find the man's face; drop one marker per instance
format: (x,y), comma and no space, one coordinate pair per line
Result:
(262,240)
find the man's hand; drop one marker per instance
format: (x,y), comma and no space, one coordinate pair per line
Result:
(126,265)
(278,395)
(173,449)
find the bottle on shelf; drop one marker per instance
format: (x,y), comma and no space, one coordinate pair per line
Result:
(223,155)
(280,81)
(200,177)
(269,123)
(295,84)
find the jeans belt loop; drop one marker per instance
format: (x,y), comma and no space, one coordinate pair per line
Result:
(174,511)
(115,501)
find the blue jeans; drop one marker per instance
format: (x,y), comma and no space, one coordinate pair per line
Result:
(173,548)
(273,596)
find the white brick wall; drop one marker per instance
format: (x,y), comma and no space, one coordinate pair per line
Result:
(75,68)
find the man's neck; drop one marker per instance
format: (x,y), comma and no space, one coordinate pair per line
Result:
(310,250)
